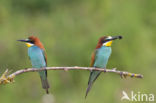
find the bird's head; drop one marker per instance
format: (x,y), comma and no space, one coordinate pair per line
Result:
(107,41)
(31,41)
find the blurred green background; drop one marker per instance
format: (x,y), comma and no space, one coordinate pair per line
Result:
(69,30)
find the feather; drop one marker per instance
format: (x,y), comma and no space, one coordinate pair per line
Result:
(93,58)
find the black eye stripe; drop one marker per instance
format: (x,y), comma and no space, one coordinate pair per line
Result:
(104,41)
(30,41)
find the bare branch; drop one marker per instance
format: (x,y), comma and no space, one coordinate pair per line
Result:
(6,78)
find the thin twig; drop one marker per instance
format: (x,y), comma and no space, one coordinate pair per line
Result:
(5,78)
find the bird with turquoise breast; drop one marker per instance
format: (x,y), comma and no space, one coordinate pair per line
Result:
(100,57)
(38,58)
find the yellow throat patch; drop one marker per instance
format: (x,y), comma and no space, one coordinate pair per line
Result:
(29,44)
(108,43)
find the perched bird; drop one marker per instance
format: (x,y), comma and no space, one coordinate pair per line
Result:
(37,55)
(100,57)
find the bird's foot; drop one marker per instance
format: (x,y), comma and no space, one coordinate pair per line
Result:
(5,79)
(105,70)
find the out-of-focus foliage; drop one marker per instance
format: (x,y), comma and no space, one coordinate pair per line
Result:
(69,30)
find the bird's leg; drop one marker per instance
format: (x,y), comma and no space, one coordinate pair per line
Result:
(105,70)
(4,79)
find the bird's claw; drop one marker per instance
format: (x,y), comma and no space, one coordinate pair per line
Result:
(105,70)
(4,79)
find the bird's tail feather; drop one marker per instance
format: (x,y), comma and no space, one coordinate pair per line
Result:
(93,76)
(45,84)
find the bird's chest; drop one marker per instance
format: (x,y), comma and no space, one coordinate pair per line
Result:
(102,57)
(36,57)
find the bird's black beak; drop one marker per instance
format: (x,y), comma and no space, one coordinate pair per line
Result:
(26,40)
(114,38)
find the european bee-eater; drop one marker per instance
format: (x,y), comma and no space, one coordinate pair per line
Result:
(37,55)
(100,57)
